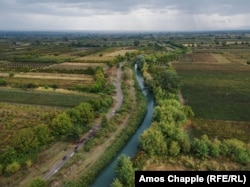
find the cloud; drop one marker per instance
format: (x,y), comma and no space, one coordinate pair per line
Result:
(124,14)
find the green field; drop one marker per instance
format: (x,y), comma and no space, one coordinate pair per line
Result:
(42,98)
(217,91)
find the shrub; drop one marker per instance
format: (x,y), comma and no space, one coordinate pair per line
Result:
(3,82)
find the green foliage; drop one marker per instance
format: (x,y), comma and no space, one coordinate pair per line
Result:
(38,183)
(200,148)
(41,98)
(12,168)
(1,169)
(236,150)
(135,120)
(168,80)
(25,141)
(86,112)
(3,82)
(174,148)
(169,111)
(61,125)
(136,43)
(100,81)
(152,141)
(8,156)
(116,183)
(216,92)
(11,74)
(124,171)
(188,112)
(43,134)
(214,148)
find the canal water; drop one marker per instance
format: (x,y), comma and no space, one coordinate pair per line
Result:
(107,176)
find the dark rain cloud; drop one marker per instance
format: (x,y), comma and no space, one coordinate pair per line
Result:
(137,14)
(61,7)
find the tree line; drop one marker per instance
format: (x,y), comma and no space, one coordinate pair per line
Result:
(167,137)
(66,126)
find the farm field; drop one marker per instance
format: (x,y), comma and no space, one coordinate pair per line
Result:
(210,58)
(49,98)
(105,56)
(234,129)
(74,65)
(50,76)
(15,117)
(219,95)
(217,91)
(65,83)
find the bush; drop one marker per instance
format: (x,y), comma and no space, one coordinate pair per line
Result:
(3,82)
(11,74)
(12,168)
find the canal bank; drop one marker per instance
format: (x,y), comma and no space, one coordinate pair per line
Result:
(106,177)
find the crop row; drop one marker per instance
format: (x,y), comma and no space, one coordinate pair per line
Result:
(22,65)
(197,57)
(42,98)
(217,91)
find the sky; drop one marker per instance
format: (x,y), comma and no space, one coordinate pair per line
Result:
(124,15)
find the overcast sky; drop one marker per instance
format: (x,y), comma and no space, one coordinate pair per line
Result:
(125,15)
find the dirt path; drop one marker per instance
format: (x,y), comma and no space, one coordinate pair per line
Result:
(72,172)
(182,101)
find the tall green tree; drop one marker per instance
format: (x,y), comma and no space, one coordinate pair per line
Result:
(200,148)
(25,141)
(152,141)
(124,171)
(86,112)
(43,134)
(174,148)
(116,183)
(61,125)
(168,80)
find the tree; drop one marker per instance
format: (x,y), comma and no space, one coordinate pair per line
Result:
(99,75)
(152,141)
(174,148)
(75,116)
(136,43)
(188,112)
(37,183)
(168,80)
(236,150)
(61,125)
(8,156)
(25,141)
(116,183)
(86,112)
(43,134)
(124,171)
(200,148)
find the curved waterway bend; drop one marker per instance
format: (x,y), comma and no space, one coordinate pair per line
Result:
(107,176)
